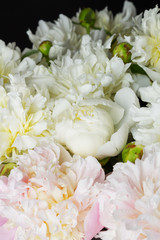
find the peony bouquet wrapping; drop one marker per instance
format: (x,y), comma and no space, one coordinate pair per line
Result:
(80,129)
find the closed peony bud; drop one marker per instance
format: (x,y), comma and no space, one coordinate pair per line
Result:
(122,50)
(44,47)
(132,151)
(5,168)
(87,18)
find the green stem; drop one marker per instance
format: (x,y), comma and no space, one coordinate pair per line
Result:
(28,54)
(76,23)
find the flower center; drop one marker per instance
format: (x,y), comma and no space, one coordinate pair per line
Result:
(86,111)
(155,53)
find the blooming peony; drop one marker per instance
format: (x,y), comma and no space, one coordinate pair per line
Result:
(61,33)
(96,127)
(51,196)
(89,73)
(91,98)
(66,33)
(24,120)
(11,63)
(130,205)
(104,19)
(121,23)
(145,42)
(9,59)
(146,129)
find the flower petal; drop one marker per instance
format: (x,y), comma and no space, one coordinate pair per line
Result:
(92,224)
(7,234)
(115,145)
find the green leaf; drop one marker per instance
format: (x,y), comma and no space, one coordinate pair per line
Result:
(104,161)
(135,68)
(5,168)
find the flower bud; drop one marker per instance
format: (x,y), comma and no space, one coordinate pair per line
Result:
(87,18)
(44,47)
(132,151)
(5,168)
(122,50)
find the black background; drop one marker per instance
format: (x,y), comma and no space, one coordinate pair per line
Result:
(17,17)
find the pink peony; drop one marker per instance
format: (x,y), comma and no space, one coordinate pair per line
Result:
(51,195)
(130,203)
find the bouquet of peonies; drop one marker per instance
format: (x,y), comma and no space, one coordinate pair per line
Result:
(80,129)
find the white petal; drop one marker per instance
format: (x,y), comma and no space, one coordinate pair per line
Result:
(38,128)
(150,93)
(115,145)
(24,142)
(61,105)
(126,98)
(154,76)
(5,142)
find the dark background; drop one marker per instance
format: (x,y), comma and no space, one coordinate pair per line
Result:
(17,17)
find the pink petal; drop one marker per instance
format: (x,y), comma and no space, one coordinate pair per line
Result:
(7,234)
(3,220)
(92,224)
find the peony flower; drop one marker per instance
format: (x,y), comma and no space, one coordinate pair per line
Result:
(24,120)
(9,59)
(97,127)
(130,202)
(146,128)
(61,33)
(51,196)
(145,42)
(88,106)
(121,23)
(89,73)
(11,63)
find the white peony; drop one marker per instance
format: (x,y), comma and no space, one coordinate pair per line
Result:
(90,114)
(12,64)
(61,33)
(96,127)
(24,121)
(10,57)
(84,128)
(89,73)
(145,41)
(146,129)
(112,24)
(120,23)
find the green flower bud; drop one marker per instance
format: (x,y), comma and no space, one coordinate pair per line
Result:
(87,18)
(5,168)
(44,47)
(132,151)
(122,50)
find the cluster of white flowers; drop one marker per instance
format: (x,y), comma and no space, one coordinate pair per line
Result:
(90,84)
(69,87)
